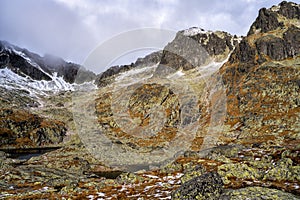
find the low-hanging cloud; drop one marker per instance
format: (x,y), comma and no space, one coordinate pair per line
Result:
(72,29)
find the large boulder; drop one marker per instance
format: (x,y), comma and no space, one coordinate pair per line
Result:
(207,186)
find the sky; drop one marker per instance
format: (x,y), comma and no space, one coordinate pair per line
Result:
(73,29)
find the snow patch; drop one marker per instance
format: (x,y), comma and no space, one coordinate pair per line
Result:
(134,72)
(30,61)
(212,67)
(176,74)
(135,76)
(11,80)
(195,31)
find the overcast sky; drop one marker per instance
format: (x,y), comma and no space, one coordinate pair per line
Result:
(71,29)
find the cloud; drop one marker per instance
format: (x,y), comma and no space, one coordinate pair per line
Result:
(45,27)
(72,29)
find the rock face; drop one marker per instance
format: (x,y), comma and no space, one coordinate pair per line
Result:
(195,47)
(141,102)
(21,129)
(25,63)
(269,19)
(262,78)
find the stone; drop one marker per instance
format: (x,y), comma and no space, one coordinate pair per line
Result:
(256,193)
(206,186)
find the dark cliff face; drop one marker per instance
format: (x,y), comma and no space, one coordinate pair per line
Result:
(278,42)
(269,19)
(25,63)
(18,64)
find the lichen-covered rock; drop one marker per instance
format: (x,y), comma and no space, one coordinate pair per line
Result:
(283,170)
(238,170)
(140,104)
(206,186)
(16,99)
(19,128)
(129,178)
(191,171)
(257,193)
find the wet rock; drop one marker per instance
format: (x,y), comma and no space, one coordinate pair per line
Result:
(206,186)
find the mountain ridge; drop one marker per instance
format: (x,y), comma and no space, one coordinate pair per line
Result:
(25,63)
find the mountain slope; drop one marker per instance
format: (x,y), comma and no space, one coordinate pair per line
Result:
(262,78)
(247,88)
(212,116)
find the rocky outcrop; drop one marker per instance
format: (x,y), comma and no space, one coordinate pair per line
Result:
(262,77)
(190,48)
(257,193)
(195,47)
(140,104)
(206,186)
(273,18)
(21,129)
(71,72)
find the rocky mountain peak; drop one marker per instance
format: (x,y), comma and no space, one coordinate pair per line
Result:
(273,36)
(216,43)
(194,47)
(276,17)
